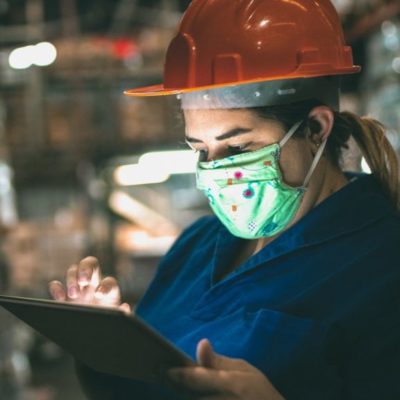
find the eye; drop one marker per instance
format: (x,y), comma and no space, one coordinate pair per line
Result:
(238,149)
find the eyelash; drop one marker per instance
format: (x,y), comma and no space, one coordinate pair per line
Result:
(238,149)
(233,150)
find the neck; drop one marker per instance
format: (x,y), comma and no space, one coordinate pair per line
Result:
(333,180)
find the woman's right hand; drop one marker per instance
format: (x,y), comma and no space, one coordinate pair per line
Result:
(85,285)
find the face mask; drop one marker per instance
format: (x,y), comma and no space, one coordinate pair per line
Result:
(247,192)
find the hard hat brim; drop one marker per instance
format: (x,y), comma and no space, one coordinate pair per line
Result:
(160,90)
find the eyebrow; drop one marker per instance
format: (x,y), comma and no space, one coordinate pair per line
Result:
(227,135)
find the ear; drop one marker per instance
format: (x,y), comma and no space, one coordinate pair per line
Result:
(321,124)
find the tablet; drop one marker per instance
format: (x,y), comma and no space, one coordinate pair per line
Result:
(105,339)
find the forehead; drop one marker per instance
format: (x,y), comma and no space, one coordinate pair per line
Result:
(214,122)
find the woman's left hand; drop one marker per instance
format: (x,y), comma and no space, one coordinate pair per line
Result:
(222,378)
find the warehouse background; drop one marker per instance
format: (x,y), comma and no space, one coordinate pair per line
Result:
(72,148)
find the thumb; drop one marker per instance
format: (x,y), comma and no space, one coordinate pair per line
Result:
(208,358)
(205,354)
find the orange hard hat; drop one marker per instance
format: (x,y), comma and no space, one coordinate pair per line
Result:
(231,42)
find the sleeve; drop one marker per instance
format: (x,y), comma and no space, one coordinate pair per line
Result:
(372,370)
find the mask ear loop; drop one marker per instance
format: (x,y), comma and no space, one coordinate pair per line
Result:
(290,133)
(317,157)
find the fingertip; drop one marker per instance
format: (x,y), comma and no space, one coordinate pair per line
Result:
(71,276)
(56,290)
(85,271)
(126,308)
(204,353)
(109,288)
(103,289)
(90,260)
(204,344)
(108,296)
(51,284)
(89,263)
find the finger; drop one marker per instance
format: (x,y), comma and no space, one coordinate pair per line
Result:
(96,277)
(202,380)
(89,272)
(230,364)
(108,292)
(57,291)
(207,357)
(88,289)
(205,354)
(72,282)
(126,308)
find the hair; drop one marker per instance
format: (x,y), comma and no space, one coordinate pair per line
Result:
(369,134)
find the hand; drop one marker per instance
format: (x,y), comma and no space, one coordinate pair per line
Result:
(84,285)
(222,378)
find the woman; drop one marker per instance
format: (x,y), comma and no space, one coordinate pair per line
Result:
(295,281)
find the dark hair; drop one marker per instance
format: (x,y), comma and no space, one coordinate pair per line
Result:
(368,133)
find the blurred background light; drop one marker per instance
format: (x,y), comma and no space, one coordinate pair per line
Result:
(175,162)
(21,58)
(136,174)
(396,65)
(156,167)
(142,215)
(41,54)
(45,54)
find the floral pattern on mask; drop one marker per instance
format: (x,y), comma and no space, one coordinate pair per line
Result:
(247,193)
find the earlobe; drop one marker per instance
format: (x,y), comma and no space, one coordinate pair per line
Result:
(314,135)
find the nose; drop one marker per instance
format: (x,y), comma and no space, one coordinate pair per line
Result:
(214,154)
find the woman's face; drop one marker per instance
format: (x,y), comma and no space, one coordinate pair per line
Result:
(220,133)
(217,134)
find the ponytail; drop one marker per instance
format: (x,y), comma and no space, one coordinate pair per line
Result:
(370,136)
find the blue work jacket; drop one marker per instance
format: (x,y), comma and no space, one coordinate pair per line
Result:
(317,310)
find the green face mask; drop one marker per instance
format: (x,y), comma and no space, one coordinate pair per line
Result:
(247,192)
